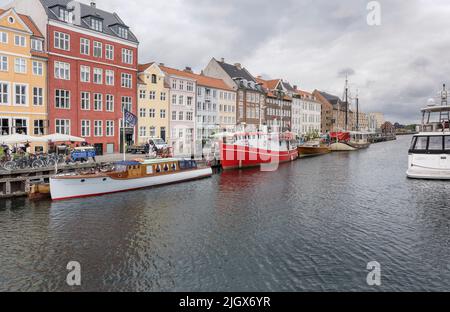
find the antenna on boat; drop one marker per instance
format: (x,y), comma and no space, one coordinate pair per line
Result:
(346,101)
(444,95)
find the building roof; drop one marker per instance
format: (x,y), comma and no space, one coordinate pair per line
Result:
(109,19)
(201,79)
(29,22)
(236,71)
(144,67)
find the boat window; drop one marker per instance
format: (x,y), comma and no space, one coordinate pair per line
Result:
(149,169)
(447,143)
(174,167)
(158,168)
(166,167)
(413,143)
(435,143)
(421,143)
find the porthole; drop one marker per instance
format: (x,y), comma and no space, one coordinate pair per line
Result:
(82,181)
(11,20)
(104,179)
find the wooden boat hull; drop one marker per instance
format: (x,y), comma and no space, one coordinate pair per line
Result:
(67,187)
(310,151)
(235,157)
(341,147)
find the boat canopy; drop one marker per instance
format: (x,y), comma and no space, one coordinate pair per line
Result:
(341,136)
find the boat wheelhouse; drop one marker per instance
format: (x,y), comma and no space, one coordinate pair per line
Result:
(126,176)
(429,153)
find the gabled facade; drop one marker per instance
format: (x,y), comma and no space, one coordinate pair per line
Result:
(23,77)
(182,97)
(92,57)
(153,103)
(310,113)
(278,108)
(250,99)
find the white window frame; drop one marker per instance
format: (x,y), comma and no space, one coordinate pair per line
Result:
(22,41)
(85,73)
(109,77)
(109,52)
(98,72)
(4,37)
(126,80)
(85,46)
(38,97)
(38,68)
(66,126)
(109,101)
(61,41)
(15,94)
(86,102)
(98,46)
(127,56)
(98,125)
(4,63)
(98,102)
(8,93)
(109,128)
(85,127)
(62,70)
(22,65)
(66,96)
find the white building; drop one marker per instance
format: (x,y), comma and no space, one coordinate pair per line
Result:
(182,99)
(310,113)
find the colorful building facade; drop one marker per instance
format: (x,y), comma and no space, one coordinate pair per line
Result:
(92,57)
(153,103)
(23,77)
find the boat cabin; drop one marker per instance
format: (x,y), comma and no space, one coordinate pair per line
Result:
(146,168)
(432,143)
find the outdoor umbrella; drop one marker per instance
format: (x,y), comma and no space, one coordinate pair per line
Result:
(20,138)
(57,137)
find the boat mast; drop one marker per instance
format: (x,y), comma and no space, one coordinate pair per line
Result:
(346,102)
(357,110)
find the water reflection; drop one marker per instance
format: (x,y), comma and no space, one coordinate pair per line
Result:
(312,225)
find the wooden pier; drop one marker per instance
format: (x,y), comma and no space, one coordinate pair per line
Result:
(18,183)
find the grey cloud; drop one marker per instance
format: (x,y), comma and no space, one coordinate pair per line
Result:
(395,66)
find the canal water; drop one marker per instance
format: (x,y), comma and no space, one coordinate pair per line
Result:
(313,225)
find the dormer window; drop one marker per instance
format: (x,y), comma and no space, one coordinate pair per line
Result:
(96,24)
(36,45)
(123,32)
(65,15)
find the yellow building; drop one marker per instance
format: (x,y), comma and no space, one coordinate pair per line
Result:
(153,103)
(23,77)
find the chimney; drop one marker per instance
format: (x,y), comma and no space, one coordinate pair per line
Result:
(295,87)
(222,60)
(238,65)
(93,4)
(259,77)
(161,64)
(188,70)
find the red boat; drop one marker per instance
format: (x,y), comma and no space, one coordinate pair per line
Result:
(248,149)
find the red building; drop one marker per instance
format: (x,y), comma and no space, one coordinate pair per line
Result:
(92,70)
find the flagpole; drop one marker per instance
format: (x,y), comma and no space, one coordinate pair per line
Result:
(123,133)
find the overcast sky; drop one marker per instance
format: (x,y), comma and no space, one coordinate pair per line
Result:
(396,66)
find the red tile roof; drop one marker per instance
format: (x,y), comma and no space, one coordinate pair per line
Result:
(30,24)
(201,80)
(143,67)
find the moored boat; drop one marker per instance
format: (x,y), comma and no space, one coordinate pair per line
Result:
(247,149)
(126,176)
(429,154)
(310,149)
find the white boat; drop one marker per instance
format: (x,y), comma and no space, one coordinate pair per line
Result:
(429,154)
(126,176)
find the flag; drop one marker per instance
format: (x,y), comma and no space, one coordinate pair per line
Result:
(130,118)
